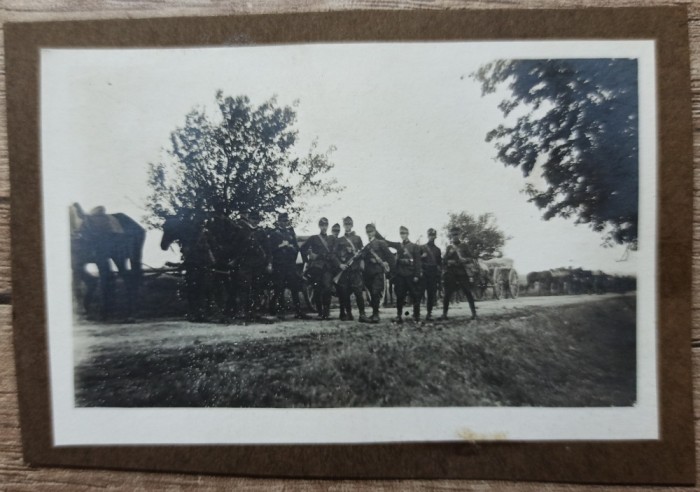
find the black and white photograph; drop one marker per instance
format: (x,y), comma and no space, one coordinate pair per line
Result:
(351,242)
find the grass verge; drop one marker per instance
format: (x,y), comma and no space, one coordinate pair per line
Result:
(575,355)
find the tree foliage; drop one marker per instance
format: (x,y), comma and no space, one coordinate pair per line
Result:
(576,122)
(481,233)
(244,159)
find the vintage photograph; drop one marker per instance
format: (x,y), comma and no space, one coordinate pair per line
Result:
(425,225)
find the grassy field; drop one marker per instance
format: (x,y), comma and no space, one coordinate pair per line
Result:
(575,355)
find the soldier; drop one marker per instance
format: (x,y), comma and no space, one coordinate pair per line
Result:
(255,262)
(456,277)
(378,263)
(285,249)
(431,260)
(336,233)
(317,253)
(350,281)
(408,275)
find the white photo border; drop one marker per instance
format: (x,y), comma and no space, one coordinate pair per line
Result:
(74,426)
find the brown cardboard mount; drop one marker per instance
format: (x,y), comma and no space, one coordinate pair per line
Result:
(669,460)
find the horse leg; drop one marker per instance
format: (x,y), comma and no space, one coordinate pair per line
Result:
(129,281)
(90,290)
(106,286)
(136,277)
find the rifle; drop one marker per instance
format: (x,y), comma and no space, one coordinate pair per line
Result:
(352,260)
(383,263)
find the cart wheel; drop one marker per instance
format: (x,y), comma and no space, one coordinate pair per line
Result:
(514,284)
(497,280)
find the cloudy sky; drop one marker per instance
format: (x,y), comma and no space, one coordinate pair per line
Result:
(407,121)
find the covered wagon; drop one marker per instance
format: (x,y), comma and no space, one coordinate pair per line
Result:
(496,275)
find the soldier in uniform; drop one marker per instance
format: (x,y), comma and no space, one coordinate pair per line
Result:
(284,250)
(321,262)
(457,256)
(255,263)
(335,230)
(408,275)
(431,260)
(350,281)
(379,261)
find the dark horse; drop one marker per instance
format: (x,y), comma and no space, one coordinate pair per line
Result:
(97,238)
(197,261)
(210,251)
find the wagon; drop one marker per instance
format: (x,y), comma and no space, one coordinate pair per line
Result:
(496,275)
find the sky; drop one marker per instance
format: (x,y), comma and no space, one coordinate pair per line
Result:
(407,121)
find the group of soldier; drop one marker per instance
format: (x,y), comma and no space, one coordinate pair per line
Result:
(241,261)
(351,266)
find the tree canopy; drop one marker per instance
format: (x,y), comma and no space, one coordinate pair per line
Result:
(482,234)
(243,159)
(576,123)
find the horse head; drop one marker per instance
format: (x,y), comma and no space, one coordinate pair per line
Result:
(173,230)
(77,217)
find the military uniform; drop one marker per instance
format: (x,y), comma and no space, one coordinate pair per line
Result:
(318,253)
(431,261)
(456,276)
(284,250)
(252,274)
(336,234)
(350,281)
(407,279)
(378,259)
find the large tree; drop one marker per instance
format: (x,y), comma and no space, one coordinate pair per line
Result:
(245,158)
(575,123)
(482,234)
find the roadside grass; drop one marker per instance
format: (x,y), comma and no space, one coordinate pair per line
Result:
(576,355)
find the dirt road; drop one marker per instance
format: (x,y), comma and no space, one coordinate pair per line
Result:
(91,339)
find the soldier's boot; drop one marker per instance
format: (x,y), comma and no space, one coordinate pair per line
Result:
(298,313)
(361,307)
(326,309)
(428,316)
(375,316)
(444,315)
(399,317)
(416,312)
(343,310)
(349,316)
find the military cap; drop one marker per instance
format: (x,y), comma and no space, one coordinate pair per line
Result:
(370,227)
(347,220)
(283,216)
(403,229)
(323,221)
(432,232)
(336,227)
